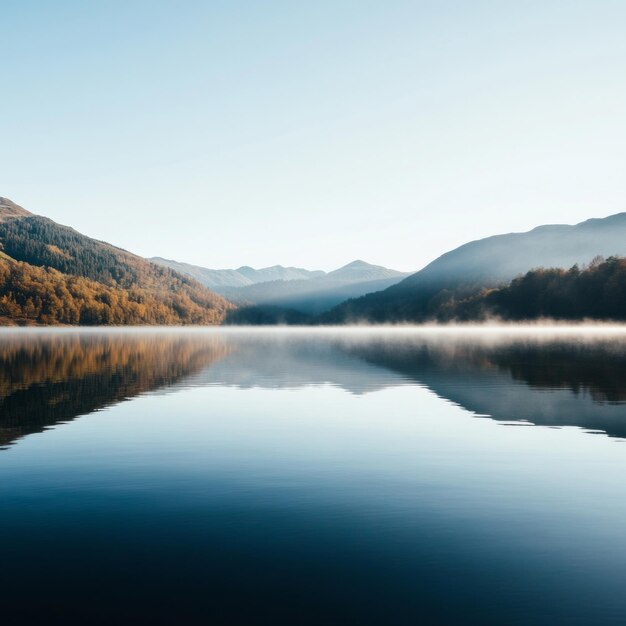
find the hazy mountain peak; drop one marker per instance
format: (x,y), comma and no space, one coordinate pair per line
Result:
(361,270)
(249,268)
(222,280)
(358,263)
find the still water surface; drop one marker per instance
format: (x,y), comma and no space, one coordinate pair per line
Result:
(313,477)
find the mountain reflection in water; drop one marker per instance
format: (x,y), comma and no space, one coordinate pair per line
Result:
(52,377)
(560,379)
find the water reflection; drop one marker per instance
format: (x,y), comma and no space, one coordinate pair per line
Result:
(549,380)
(538,378)
(292,477)
(52,377)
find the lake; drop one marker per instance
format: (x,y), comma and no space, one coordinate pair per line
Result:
(340,476)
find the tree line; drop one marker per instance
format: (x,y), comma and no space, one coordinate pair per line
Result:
(42,295)
(596,292)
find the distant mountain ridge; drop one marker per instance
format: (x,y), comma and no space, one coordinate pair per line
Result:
(487,262)
(302,291)
(240,277)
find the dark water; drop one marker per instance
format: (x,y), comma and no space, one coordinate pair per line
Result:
(291,477)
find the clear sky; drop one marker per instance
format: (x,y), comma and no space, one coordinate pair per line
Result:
(305,133)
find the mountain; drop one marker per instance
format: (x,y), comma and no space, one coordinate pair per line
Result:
(221,280)
(277,272)
(360,271)
(285,293)
(313,296)
(52,274)
(488,262)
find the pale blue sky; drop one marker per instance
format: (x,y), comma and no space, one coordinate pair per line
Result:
(312,133)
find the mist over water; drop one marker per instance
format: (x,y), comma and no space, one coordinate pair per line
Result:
(336,476)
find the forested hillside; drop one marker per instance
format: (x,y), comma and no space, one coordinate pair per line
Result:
(485,263)
(596,292)
(51,274)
